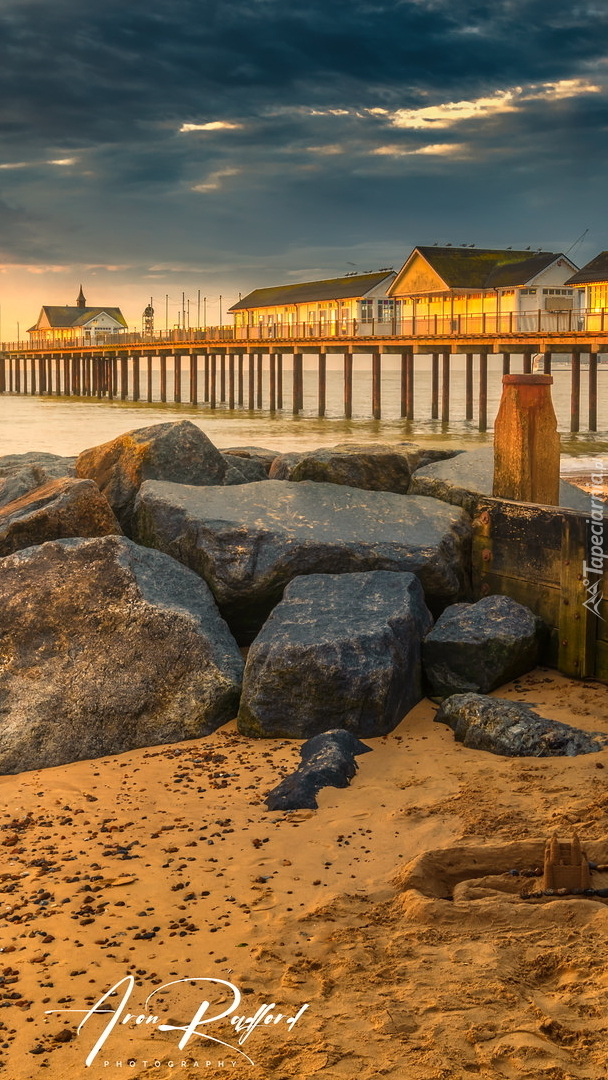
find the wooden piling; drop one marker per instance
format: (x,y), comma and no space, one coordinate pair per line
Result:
(240,379)
(251,382)
(177,377)
(163,377)
(114,370)
(296,389)
(434,386)
(547,357)
(409,404)
(506,363)
(348,385)
(3,365)
(526,442)
(575,391)
(322,383)
(468,386)
(483,392)
(260,374)
(206,377)
(41,375)
(592,391)
(376,385)
(212,380)
(149,377)
(404,378)
(231,380)
(193,377)
(32,376)
(273,381)
(17,375)
(136,374)
(445,388)
(57,375)
(222,376)
(527,361)
(66,377)
(279,380)
(124,377)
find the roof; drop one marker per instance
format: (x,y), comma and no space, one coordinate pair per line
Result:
(596,270)
(342,288)
(78,316)
(486,268)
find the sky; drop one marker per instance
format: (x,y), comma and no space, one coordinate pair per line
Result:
(169,148)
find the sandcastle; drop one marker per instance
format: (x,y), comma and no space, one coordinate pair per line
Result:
(566,865)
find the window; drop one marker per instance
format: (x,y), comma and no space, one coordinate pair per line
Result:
(528,292)
(386,309)
(367,310)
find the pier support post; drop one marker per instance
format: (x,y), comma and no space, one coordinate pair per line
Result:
(3,374)
(296,389)
(222,376)
(506,363)
(528,362)
(149,377)
(114,375)
(547,356)
(193,377)
(348,385)
(260,374)
(468,386)
(575,392)
(41,374)
(483,392)
(434,386)
(279,380)
(206,378)
(212,380)
(66,377)
(273,381)
(251,381)
(445,388)
(239,379)
(58,375)
(177,377)
(592,391)
(409,404)
(526,442)
(322,383)
(32,375)
(376,385)
(231,380)
(17,374)
(163,377)
(124,377)
(136,373)
(404,378)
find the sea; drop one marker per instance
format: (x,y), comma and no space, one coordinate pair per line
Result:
(67,426)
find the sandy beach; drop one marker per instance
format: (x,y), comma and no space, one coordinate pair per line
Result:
(163,864)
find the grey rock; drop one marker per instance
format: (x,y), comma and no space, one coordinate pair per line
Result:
(470,474)
(339,650)
(59,508)
(255,453)
(512,729)
(117,647)
(328,760)
(178,452)
(480,646)
(242,470)
(248,542)
(371,466)
(20,473)
(283,465)
(419,455)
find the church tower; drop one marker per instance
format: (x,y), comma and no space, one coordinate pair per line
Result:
(81,302)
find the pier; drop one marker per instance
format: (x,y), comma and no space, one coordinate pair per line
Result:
(234,368)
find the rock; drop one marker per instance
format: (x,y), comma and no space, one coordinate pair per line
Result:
(282,466)
(339,650)
(60,508)
(480,646)
(179,452)
(464,478)
(512,729)
(117,647)
(328,760)
(20,473)
(419,455)
(254,453)
(242,470)
(372,466)
(248,542)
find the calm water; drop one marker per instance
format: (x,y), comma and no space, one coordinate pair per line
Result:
(67,426)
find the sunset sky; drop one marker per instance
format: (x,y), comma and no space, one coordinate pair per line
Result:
(159,147)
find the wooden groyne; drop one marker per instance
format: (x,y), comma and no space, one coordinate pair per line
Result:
(249,374)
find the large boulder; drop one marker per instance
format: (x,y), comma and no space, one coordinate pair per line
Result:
(512,729)
(253,453)
(372,466)
(477,647)
(178,452)
(20,473)
(243,470)
(339,650)
(60,508)
(248,542)
(107,647)
(463,478)
(328,760)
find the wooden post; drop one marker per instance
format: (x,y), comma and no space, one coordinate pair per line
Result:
(222,376)
(177,377)
(273,381)
(527,362)
(66,377)
(124,377)
(576,623)
(506,363)
(376,385)
(251,382)
(297,379)
(149,377)
(231,380)
(348,385)
(404,378)
(526,442)
(33,376)
(409,405)
(163,377)
(41,375)
(240,379)
(136,373)
(575,392)
(260,359)
(468,389)
(110,378)
(592,391)
(483,392)
(18,374)
(434,386)
(445,388)
(57,375)
(206,377)
(212,380)
(322,383)
(279,380)
(3,373)
(114,369)
(193,377)
(547,363)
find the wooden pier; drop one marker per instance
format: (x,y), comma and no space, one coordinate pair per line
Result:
(226,371)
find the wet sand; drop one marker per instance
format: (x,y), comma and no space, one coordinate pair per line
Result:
(165,865)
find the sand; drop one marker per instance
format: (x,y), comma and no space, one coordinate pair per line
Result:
(165,865)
